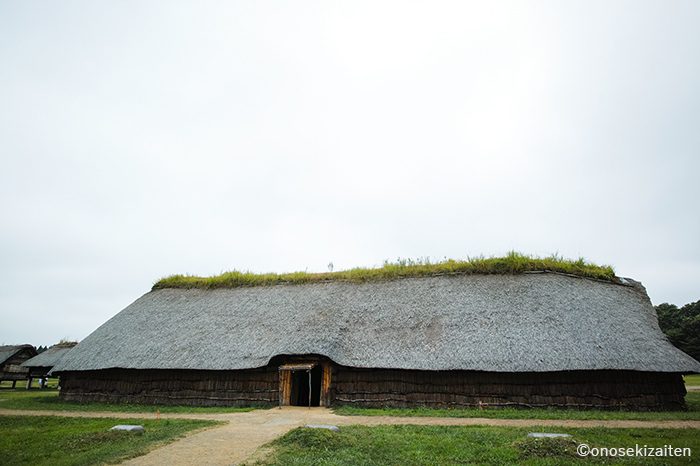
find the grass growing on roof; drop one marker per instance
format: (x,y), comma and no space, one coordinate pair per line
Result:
(513,263)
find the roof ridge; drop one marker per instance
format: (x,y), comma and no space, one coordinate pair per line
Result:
(622,281)
(512,264)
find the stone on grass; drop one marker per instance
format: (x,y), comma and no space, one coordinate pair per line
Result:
(129,428)
(546,435)
(323,426)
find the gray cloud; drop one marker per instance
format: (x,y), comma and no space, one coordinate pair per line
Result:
(139,140)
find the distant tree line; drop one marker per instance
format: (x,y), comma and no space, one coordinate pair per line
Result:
(41,349)
(681,326)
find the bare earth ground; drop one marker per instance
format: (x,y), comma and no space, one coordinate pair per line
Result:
(244,433)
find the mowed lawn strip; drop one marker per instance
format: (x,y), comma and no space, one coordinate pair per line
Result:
(48,400)
(443,445)
(692,380)
(55,440)
(50,383)
(692,400)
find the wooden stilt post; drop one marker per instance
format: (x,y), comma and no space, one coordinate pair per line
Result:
(29,383)
(309,372)
(14,382)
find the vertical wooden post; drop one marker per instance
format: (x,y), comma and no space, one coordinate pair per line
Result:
(285,380)
(14,382)
(326,384)
(29,383)
(280,389)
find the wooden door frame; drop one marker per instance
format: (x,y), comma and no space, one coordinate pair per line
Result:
(285,382)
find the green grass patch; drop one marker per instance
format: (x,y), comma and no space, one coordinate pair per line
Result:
(448,445)
(48,400)
(692,380)
(8,384)
(513,263)
(692,399)
(50,383)
(53,440)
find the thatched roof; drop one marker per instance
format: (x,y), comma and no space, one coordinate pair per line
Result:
(505,323)
(7,351)
(50,357)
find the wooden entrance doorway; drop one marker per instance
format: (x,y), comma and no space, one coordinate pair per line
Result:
(304,384)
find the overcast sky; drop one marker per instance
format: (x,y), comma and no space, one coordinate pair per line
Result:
(141,139)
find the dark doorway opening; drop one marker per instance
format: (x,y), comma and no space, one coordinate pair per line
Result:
(305,383)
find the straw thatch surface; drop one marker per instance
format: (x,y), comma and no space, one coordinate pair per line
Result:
(502,323)
(50,357)
(7,351)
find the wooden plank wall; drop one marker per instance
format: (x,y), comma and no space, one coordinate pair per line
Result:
(381,387)
(254,387)
(443,389)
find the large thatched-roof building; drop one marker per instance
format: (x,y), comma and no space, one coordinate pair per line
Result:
(534,339)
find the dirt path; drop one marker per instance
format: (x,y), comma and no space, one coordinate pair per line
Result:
(244,433)
(232,443)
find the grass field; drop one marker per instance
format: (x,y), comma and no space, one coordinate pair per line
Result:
(48,400)
(72,441)
(692,380)
(430,445)
(51,383)
(692,400)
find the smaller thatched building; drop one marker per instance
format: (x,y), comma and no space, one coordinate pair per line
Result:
(40,365)
(11,359)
